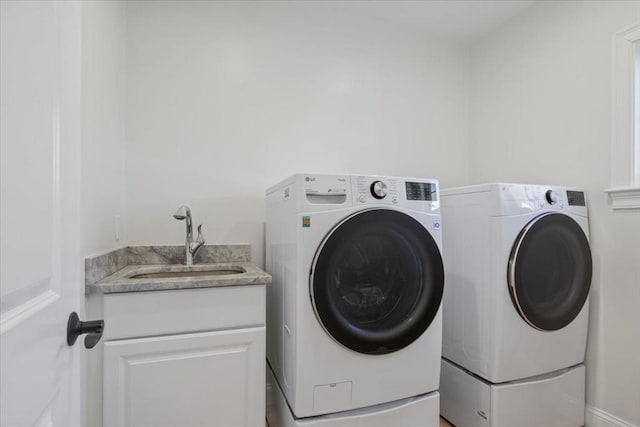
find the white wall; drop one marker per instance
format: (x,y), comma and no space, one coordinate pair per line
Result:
(225,99)
(103,125)
(103,162)
(541,113)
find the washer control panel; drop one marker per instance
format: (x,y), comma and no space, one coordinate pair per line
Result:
(421,191)
(317,192)
(394,191)
(376,189)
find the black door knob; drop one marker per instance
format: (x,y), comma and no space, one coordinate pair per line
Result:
(76,327)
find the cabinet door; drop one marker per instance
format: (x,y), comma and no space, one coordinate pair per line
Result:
(192,380)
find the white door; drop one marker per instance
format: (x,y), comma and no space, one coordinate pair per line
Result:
(39,259)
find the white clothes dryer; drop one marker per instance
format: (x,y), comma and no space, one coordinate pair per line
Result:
(518,268)
(354,310)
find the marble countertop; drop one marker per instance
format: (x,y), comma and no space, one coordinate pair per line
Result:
(122,281)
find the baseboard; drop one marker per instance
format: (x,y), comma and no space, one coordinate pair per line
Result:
(598,418)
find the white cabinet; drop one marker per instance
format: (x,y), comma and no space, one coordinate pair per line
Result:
(197,380)
(183,367)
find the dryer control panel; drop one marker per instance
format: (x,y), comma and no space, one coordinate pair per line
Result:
(576,198)
(513,199)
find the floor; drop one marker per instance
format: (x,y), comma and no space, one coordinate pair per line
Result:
(444,423)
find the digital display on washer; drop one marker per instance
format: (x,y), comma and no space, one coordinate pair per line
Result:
(575,198)
(421,191)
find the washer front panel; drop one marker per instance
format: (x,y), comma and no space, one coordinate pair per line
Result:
(377,281)
(549,272)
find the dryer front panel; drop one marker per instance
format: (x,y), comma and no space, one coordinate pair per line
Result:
(549,272)
(377,281)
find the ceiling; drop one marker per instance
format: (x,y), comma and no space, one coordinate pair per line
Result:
(461,20)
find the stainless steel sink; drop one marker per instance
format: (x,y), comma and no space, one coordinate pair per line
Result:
(188,273)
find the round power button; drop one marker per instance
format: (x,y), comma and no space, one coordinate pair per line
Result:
(362,198)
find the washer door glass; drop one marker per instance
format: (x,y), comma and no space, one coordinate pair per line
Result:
(549,271)
(377,281)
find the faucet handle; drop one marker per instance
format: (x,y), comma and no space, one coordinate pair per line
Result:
(194,247)
(200,238)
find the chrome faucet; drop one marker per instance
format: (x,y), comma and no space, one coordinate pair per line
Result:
(191,247)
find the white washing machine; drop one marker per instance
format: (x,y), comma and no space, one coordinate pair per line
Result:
(354,311)
(518,268)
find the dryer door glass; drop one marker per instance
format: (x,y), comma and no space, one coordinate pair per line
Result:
(549,271)
(377,281)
